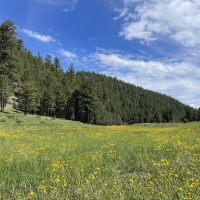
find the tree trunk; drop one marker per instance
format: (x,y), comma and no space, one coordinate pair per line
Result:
(25,109)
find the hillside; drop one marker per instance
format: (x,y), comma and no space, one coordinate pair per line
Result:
(41,86)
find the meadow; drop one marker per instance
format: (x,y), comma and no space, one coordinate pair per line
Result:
(46,158)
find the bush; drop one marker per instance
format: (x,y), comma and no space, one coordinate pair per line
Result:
(19,121)
(15,105)
(3,119)
(10,116)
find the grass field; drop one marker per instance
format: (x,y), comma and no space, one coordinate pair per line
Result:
(45,158)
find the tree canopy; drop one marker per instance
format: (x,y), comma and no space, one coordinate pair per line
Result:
(41,86)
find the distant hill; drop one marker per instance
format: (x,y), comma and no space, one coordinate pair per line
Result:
(41,86)
(107,100)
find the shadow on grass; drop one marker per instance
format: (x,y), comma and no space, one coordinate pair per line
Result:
(17,111)
(5,112)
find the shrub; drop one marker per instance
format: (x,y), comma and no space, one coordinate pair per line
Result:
(10,116)
(3,119)
(19,121)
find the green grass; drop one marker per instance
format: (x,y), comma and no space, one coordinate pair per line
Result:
(45,158)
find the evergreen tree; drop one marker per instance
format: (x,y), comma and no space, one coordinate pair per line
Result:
(69,85)
(58,88)
(27,96)
(7,45)
(198,114)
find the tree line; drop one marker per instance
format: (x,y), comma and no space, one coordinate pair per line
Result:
(39,85)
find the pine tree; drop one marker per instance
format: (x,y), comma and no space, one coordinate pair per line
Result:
(58,88)
(27,96)
(70,85)
(7,45)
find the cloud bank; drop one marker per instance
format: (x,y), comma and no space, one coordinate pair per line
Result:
(154,20)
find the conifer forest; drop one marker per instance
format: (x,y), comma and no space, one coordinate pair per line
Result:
(39,85)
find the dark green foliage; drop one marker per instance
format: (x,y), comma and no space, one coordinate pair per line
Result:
(27,96)
(19,121)
(8,45)
(10,116)
(3,119)
(41,86)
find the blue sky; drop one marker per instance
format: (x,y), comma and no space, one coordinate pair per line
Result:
(151,43)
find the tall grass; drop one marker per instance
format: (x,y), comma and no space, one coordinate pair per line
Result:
(59,159)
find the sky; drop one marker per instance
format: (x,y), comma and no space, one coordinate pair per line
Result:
(154,44)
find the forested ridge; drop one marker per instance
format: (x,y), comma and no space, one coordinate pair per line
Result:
(39,85)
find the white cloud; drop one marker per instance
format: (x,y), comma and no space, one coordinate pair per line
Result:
(68,5)
(38,36)
(179,80)
(108,51)
(123,12)
(192,55)
(67,54)
(154,19)
(149,68)
(141,51)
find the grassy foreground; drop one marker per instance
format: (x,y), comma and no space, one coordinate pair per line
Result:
(45,158)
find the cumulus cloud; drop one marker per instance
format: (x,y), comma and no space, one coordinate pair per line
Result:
(38,36)
(154,19)
(179,80)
